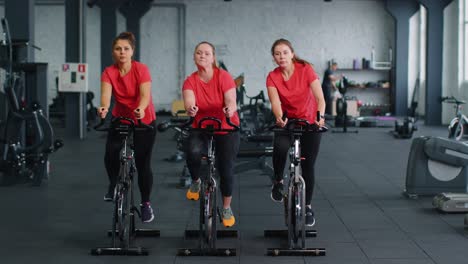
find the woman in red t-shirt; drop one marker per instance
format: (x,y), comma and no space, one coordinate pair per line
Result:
(129,82)
(211,91)
(295,92)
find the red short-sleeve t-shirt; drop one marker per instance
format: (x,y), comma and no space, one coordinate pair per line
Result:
(209,97)
(126,90)
(295,94)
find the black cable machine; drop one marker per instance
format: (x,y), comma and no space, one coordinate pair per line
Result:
(27,137)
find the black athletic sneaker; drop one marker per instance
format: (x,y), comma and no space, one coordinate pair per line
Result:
(277,192)
(310,219)
(147,214)
(109,196)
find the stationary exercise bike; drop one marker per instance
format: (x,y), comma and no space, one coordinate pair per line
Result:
(294,205)
(27,136)
(123,218)
(207,232)
(458,125)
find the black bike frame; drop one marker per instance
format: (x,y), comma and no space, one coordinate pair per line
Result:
(123,221)
(207,232)
(295,205)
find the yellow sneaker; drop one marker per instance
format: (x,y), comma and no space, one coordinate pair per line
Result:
(228,217)
(193,193)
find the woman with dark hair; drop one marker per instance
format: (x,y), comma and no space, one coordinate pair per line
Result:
(211,91)
(294,91)
(129,82)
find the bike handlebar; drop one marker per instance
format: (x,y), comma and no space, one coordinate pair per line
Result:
(126,121)
(209,128)
(452,100)
(298,125)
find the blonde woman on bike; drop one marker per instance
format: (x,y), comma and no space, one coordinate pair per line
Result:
(211,91)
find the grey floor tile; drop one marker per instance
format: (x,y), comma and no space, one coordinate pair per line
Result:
(271,260)
(402,261)
(446,252)
(340,253)
(361,216)
(391,249)
(387,234)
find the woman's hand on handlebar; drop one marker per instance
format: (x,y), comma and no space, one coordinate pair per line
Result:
(192,111)
(229,112)
(138,113)
(321,122)
(102,112)
(280,122)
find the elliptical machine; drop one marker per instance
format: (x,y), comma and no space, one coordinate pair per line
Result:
(27,137)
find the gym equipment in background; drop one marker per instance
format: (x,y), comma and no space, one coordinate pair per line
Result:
(342,118)
(436,165)
(181,137)
(27,137)
(451,202)
(405,129)
(458,125)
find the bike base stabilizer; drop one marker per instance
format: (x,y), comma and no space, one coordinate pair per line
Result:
(116,251)
(284,233)
(140,233)
(192,233)
(215,252)
(296,252)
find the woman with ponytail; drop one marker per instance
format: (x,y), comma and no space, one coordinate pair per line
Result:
(294,91)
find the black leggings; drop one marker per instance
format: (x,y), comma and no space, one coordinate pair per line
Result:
(143,141)
(310,144)
(226,146)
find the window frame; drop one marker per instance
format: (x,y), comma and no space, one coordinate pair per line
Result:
(465,39)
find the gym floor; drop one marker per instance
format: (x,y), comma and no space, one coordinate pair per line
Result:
(361,214)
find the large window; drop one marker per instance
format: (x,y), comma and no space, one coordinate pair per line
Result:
(465,42)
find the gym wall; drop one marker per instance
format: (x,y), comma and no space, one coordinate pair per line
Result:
(243,31)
